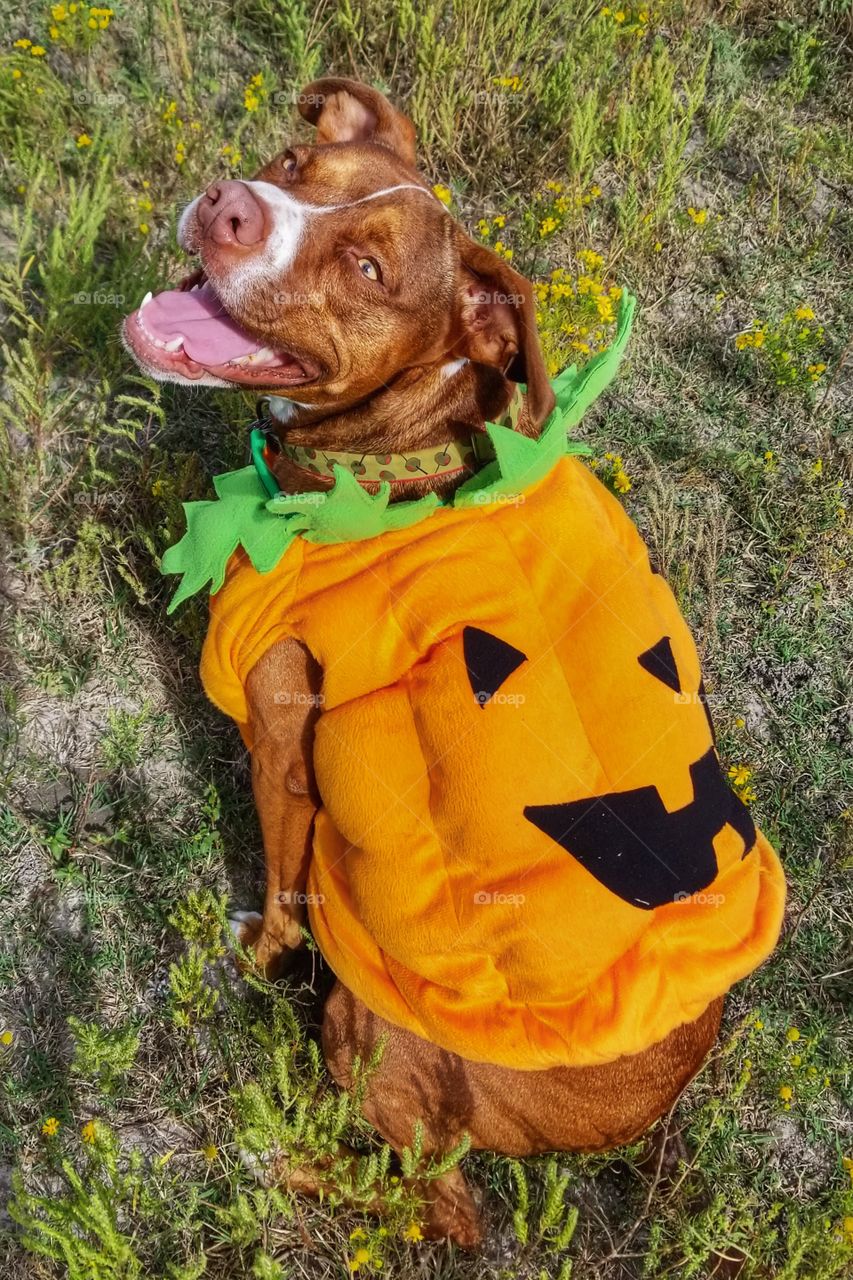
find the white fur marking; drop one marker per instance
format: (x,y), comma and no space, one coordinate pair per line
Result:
(283,409)
(182,225)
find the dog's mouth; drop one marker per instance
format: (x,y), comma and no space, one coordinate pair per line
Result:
(187,334)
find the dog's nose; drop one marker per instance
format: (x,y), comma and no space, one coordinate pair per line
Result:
(230,214)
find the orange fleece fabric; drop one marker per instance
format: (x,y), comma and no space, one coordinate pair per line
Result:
(526,851)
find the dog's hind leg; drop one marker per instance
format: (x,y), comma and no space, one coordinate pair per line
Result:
(397,1096)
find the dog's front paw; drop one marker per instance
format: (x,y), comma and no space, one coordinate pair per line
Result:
(271,950)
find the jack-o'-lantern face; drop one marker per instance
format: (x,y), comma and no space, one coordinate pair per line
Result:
(636,848)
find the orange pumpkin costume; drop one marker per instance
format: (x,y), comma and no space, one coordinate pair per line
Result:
(526,851)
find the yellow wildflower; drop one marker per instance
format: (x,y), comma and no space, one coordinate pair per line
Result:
(621,483)
(6,1038)
(792,1034)
(804,313)
(358,1234)
(22,44)
(83,140)
(547,226)
(604,306)
(592,261)
(443,193)
(38,51)
(699,216)
(16,74)
(499,220)
(89,1132)
(50,1128)
(210,1153)
(740,774)
(413,1232)
(786,1093)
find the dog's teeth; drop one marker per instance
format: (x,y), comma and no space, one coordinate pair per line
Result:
(144,303)
(264,356)
(175,344)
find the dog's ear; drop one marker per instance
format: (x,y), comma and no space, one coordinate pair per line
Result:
(497,324)
(349,111)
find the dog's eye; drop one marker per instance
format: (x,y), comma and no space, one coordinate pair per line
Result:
(289,162)
(370,269)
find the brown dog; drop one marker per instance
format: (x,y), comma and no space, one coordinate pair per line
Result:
(379,326)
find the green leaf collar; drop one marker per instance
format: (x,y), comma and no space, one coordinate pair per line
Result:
(244,515)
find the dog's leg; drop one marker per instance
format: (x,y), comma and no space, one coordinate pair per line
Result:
(517,1113)
(414,1081)
(283,696)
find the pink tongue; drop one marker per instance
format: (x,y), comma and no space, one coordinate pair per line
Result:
(210,335)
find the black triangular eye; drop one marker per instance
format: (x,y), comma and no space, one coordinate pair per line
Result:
(490,661)
(659,661)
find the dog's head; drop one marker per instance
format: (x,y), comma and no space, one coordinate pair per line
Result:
(334,271)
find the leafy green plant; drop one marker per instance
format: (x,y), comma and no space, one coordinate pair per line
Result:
(556,1222)
(101,1055)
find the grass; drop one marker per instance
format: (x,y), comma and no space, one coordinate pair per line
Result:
(699,154)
